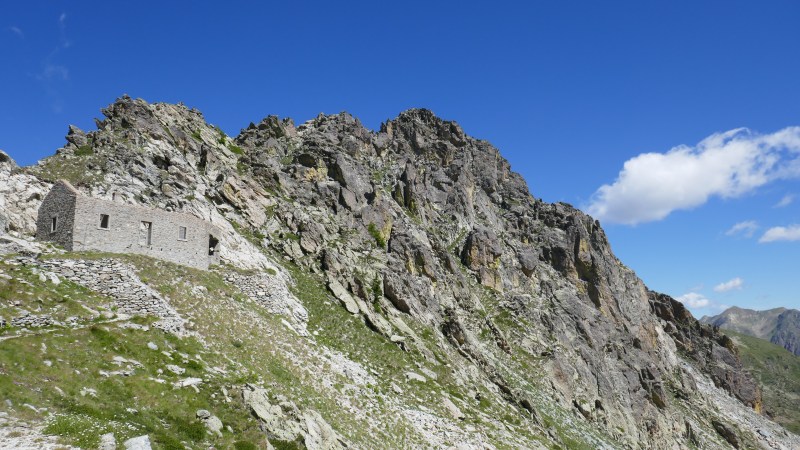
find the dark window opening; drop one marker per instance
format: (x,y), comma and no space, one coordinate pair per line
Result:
(53,224)
(104,221)
(212,245)
(182,233)
(145,233)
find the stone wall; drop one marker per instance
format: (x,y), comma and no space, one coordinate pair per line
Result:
(78,228)
(120,282)
(59,203)
(124,233)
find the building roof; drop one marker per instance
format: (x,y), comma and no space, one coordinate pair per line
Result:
(69,186)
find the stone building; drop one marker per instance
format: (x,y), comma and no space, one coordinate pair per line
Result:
(79,222)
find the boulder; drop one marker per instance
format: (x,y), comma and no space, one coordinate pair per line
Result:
(138,443)
(212,422)
(341,293)
(727,433)
(107,442)
(279,422)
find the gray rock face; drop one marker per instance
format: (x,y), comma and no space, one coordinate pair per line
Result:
(20,196)
(726,432)
(714,352)
(780,326)
(420,222)
(283,421)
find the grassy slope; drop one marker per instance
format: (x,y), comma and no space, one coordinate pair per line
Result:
(778,371)
(56,368)
(248,344)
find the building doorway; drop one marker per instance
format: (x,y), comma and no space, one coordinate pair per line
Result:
(146,233)
(212,245)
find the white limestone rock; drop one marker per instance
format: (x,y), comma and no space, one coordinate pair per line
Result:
(138,443)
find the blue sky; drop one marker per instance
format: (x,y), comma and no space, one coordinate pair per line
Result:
(590,101)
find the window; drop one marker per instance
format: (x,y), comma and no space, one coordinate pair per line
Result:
(145,233)
(104,221)
(53,224)
(182,233)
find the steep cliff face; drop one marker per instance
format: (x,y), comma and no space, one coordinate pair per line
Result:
(780,326)
(714,352)
(418,228)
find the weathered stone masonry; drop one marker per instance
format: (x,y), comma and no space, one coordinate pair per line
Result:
(78,222)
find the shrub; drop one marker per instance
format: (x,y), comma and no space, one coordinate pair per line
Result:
(84,150)
(244,445)
(195,431)
(285,445)
(194,365)
(102,335)
(377,235)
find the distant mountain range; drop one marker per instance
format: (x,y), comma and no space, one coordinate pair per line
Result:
(780,326)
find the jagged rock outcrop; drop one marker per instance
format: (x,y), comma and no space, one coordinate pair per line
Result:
(283,420)
(20,196)
(421,223)
(714,352)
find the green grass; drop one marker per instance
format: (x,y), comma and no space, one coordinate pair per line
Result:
(85,170)
(81,430)
(165,413)
(244,445)
(778,372)
(84,150)
(59,301)
(51,369)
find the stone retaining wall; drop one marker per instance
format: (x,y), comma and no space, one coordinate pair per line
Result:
(120,282)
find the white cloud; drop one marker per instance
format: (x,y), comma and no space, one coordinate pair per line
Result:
(650,186)
(746,229)
(53,71)
(18,32)
(694,300)
(697,301)
(62,25)
(785,201)
(729,285)
(790,233)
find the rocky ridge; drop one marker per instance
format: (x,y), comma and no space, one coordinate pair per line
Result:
(781,326)
(426,236)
